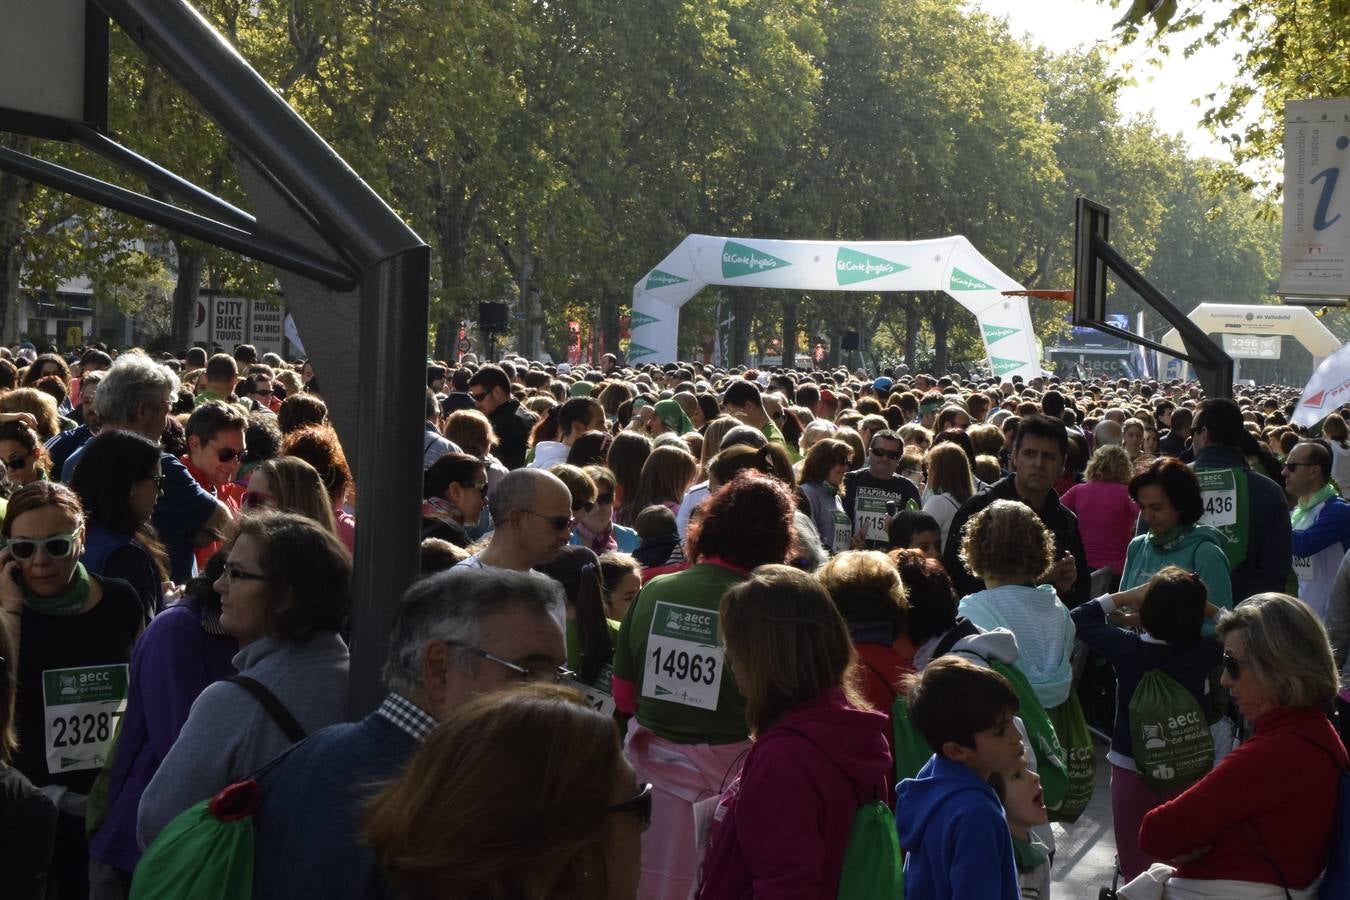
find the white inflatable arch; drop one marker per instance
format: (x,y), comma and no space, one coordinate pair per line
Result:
(949,264)
(1230,318)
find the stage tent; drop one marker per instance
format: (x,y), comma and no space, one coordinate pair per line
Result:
(949,264)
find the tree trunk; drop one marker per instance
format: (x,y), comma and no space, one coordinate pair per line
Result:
(740,334)
(938,316)
(14,193)
(790,333)
(185,290)
(911,332)
(609,327)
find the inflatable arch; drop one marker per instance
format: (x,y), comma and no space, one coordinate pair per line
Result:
(1296,321)
(949,264)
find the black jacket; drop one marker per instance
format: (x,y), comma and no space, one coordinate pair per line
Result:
(512,424)
(1059,519)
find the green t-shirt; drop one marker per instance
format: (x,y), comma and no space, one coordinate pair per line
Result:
(676,661)
(774,436)
(573,635)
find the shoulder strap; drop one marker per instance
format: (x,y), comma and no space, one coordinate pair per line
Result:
(282,716)
(862,799)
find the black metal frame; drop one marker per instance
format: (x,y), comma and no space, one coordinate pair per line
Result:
(322,207)
(1093,258)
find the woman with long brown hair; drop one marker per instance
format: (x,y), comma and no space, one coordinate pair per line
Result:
(666,475)
(818,751)
(950,483)
(486,809)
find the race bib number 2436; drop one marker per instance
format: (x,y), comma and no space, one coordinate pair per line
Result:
(684,659)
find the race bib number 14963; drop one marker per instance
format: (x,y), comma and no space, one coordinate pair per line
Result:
(684,659)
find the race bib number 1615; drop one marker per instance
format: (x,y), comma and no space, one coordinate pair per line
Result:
(684,659)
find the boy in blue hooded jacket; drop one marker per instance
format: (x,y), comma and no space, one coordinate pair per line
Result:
(952,828)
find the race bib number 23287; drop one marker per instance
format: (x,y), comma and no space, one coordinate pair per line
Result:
(684,659)
(81,709)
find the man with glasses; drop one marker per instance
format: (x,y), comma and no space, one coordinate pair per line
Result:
(457,635)
(136,395)
(532,519)
(1248,509)
(215,439)
(1320,521)
(869,489)
(490,389)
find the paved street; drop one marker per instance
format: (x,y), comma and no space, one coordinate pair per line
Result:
(1085,851)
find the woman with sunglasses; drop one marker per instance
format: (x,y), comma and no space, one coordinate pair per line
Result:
(1263,819)
(454,490)
(73,632)
(484,793)
(822,475)
(284,595)
(25,459)
(289,484)
(118,480)
(819,752)
(670,670)
(595,527)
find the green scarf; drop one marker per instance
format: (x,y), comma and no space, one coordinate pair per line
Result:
(67,603)
(1030,854)
(1303,510)
(1162,541)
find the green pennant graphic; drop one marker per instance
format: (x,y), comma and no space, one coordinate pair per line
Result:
(639,319)
(995,333)
(636,351)
(963,282)
(659,279)
(738,260)
(1004,366)
(853,266)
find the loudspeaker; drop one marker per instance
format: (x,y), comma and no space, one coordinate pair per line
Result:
(492,316)
(849,341)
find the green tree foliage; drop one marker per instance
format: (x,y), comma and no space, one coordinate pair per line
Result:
(551,153)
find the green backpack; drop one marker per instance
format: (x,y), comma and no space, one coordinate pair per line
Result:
(872,866)
(1169,733)
(1079,756)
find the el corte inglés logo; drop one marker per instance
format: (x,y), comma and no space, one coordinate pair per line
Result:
(659,279)
(1004,366)
(853,266)
(636,351)
(963,282)
(738,260)
(639,319)
(995,333)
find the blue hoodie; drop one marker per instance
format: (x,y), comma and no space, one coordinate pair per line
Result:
(954,835)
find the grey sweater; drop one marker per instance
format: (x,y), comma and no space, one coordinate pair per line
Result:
(228,734)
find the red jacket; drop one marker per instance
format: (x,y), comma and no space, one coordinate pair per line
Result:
(782,826)
(1274,797)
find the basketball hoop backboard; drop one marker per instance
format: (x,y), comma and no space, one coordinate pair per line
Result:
(53,67)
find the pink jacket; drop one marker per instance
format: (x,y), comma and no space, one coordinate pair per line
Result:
(1106,520)
(782,826)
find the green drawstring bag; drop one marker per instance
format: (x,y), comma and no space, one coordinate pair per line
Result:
(1169,734)
(205,853)
(911,750)
(1051,766)
(1080,758)
(872,867)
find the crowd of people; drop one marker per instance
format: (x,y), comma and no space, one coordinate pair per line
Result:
(679,632)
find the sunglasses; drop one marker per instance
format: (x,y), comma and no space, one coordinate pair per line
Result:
(641,805)
(478,397)
(159,482)
(58,546)
(604,499)
(480,487)
(887,454)
(583,506)
(17,461)
(559,523)
(257,500)
(1232,666)
(229,454)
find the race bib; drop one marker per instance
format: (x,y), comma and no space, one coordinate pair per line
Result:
(684,659)
(81,707)
(869,515)
(1303,568)
(598,695)
(1219,492)
(843,531)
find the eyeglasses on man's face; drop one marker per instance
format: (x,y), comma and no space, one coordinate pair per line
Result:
(557,523)
(556,675)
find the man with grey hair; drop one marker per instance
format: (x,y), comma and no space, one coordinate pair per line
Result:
(457,635)
(532,519)
(136,395)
